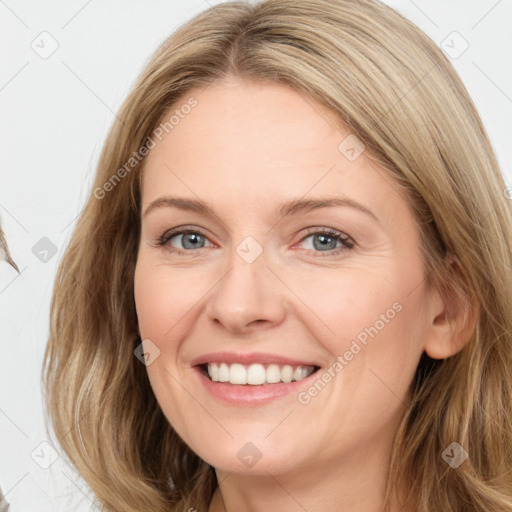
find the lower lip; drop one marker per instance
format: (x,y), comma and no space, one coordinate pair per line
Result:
(248,395)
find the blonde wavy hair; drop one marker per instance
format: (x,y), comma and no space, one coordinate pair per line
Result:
(393,87)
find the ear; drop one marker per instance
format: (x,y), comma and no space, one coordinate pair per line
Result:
(452,318)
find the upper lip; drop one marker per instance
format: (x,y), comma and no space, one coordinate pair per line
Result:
(247,359)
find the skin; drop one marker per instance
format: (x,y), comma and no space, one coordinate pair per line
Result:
(246,148)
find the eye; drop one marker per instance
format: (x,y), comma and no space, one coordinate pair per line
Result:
(328,241)
(186,240)
(183,240)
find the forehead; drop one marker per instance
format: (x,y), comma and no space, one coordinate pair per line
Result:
(262,118)
(259,140)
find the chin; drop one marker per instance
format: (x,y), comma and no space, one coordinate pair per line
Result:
(251,458)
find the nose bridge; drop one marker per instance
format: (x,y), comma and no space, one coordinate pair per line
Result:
(248,291)
(247,277)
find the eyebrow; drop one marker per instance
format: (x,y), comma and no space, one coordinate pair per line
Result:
(293,207)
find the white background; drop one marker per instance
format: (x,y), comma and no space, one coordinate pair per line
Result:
(55,113)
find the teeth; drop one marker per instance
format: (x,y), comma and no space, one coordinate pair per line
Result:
(223,372)
(213,372)
(273,374)
(287,373)
(257,374)
(301,373)
(237,374)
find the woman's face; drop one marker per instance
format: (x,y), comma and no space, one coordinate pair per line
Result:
(300,255)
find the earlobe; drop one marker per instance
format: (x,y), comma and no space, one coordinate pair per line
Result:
(453,318)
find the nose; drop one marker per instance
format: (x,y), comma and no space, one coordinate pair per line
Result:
(249,297)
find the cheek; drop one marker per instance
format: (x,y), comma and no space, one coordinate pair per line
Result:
(370,316)
(165,298)
(345,301)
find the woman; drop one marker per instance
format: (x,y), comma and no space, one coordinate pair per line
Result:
(290,287)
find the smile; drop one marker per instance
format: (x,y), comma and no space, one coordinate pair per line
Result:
(257,374)
(252,379)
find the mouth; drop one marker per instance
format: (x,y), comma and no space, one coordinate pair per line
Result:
(256,374)
(252,379)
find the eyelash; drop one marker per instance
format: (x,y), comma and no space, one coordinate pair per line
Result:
(347,242)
